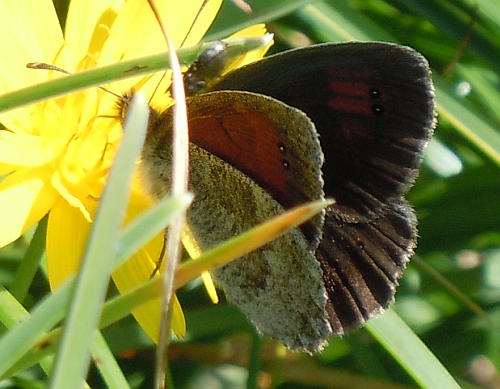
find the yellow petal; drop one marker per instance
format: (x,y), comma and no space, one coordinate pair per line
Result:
(18,120)
(67,233)
(178,321)
(29,32)
(139,269)
(37,37)
(74,195)
(256,30)
(136,33)
(88,26)
(24,199)
(23,150)
(194,250)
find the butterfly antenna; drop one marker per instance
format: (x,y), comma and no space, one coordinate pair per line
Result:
(194,21)
(46,66)
(197,16)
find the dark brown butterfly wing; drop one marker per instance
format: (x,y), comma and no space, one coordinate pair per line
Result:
(278,143)
(363,261)
(261,137)
(373,105)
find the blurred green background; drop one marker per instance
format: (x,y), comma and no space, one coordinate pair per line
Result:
(457,198)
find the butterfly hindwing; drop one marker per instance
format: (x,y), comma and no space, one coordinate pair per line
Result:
(362,262)
(234,136)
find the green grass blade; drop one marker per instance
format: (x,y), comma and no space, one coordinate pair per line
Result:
(107,364)
(79,329)
(411,353)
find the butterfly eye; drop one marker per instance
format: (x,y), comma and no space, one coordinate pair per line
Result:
(206,69)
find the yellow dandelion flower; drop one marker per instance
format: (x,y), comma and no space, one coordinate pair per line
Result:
(55,155)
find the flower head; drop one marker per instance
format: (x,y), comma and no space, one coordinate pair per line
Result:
(55,155)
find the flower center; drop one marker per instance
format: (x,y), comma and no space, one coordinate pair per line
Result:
(84,145)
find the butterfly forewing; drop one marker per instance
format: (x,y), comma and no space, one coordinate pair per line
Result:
(373,105)
(263,137)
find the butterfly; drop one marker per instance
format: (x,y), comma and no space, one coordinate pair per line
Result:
(347,121)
